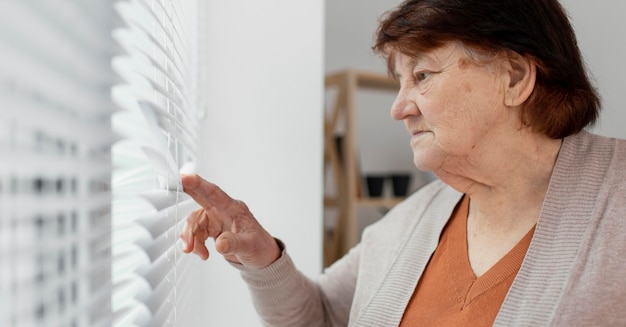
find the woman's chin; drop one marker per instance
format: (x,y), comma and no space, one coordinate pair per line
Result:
(424,163)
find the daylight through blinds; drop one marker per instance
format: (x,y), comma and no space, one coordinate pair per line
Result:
(157,129)
(55,139)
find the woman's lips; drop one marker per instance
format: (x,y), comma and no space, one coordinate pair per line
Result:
(417,135)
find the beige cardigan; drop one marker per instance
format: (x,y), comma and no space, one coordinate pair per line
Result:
(574,273)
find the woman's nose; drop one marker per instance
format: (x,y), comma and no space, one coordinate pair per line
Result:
(403,106)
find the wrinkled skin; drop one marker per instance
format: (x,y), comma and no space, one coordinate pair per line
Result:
(238,235)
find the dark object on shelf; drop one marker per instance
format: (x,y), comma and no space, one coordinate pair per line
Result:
(375,185)
(400,184)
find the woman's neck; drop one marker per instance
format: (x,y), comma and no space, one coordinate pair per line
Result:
(510,185)
(506,202)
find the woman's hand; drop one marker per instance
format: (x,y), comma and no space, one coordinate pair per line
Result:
(238,235)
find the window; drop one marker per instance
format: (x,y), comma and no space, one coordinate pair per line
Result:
(157,125)
(90,201)
(55,81)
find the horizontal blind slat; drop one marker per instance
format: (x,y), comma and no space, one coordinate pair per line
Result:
(161,222)
(156,95)
(165,310)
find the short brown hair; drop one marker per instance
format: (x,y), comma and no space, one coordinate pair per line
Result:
(563,102)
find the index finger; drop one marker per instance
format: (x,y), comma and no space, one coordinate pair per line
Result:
(205,193)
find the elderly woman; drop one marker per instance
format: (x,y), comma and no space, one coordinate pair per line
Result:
(526,223)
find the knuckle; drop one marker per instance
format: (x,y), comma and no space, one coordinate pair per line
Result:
(196,214)
(240,205)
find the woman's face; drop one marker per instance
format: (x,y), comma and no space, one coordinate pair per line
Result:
(452,107)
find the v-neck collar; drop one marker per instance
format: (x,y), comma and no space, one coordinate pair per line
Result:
(507,265)
(534,297)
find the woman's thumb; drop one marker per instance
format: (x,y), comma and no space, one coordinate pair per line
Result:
(226,243)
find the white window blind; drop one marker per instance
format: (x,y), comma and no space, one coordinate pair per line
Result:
(55,136)
(157,123)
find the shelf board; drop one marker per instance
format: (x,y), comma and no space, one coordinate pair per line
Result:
(380,202)
(364,79)
(331,201)
(385,202)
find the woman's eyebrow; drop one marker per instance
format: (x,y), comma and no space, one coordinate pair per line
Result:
(408,66)
(417,59)
(411,63)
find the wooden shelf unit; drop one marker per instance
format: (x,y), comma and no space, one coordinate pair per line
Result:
(343,164)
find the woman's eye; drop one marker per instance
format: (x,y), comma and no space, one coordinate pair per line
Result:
(420,76)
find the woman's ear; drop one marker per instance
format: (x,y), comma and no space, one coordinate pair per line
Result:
(521,73)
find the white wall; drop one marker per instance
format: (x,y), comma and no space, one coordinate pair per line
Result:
(262,137)
(600,27)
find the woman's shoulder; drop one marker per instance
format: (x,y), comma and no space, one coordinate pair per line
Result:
(589,177)
(594,155)
(589,141)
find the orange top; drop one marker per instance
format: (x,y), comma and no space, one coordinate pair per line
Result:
(449,294)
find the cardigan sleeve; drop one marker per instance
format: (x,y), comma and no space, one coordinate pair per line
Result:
(283,296)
